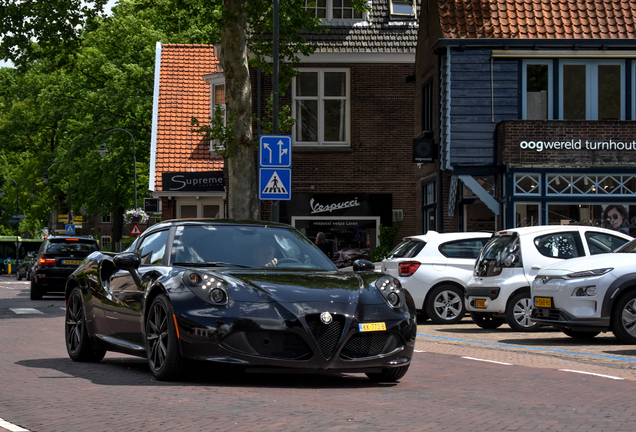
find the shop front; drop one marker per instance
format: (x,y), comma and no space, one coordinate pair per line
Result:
(350,222)
(193,194)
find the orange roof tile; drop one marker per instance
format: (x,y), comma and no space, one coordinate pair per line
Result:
(586,19)
(184,94)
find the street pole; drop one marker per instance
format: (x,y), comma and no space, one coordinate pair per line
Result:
(275,209)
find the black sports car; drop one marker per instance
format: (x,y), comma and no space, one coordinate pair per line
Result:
(242,293)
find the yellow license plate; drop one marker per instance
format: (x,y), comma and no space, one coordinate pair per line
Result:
(544,302)
(372,327)
(480,303)
(72,262)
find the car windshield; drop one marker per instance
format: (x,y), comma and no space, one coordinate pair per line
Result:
(246,246)
(407,249)
(490,260)
(629,247)
(63,246)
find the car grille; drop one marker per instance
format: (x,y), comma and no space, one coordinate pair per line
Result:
(549,314)
(326,335)
(369,345)
(270,343)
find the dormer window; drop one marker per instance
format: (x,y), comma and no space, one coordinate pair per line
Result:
(333,10)
(403,8)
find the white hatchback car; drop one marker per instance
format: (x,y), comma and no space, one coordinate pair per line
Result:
(434,268)
(499,290)
(589,295)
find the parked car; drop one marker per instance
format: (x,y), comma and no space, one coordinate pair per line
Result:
(499,290)
(435,268)
(57,258)
(254,294)
(589,295)
(24,268)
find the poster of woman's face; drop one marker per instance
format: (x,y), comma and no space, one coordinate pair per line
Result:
(616,217)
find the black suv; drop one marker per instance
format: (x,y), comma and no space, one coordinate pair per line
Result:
(57,258)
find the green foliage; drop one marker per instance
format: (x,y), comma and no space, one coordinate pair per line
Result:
(387,240)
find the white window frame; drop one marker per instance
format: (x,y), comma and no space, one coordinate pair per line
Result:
(591,80)
(321,98)
(200,202)
(329,8)
(524,86)
(213,84)
(413,4)
(110,241)
(518,176)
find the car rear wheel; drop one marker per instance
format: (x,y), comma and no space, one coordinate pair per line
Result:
(487,321)
(581,335)
(518,313)
(445,305)
(389,375)
(624,319)
(78,344)
(35,291)
(18,275)
(162,346)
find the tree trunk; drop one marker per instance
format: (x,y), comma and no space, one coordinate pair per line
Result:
(243,197)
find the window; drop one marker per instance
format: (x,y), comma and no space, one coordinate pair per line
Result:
(427,106)
(106,218)
(527,184)
(321,107)
(106,242)
(563,245)
(526,215)
(403,8)
(468,249)
(599,243)
(217,100)
(428,206)
(591,90)
(333,9)
(153,248)
(537,89)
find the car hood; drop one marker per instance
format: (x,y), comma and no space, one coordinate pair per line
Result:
(289,287)
(589,263)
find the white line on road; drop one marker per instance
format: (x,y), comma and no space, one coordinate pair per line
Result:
(11,427)
(23,311)
(590,373)
(418,351)
(488,361)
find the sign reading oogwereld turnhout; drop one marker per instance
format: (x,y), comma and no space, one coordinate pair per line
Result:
(202,181)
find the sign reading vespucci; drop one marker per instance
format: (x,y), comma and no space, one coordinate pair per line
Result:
(202,181)
(573,144)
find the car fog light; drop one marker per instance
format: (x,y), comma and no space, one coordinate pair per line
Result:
(217,295)
(393,298)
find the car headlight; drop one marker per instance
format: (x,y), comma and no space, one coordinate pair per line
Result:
(390,288)
(208,287)
(585,291)
(591,273)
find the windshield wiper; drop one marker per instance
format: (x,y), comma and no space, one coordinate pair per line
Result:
(210,264)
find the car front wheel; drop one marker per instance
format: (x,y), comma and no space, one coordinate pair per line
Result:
(518,313)
(445,305)
(162,346)
(78,344)
(487,320)
(624,319)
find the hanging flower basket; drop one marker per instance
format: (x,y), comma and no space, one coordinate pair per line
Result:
(135,215)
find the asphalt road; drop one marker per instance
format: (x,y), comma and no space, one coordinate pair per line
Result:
(462,379)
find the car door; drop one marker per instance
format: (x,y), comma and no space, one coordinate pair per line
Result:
(600,242)
(123,309)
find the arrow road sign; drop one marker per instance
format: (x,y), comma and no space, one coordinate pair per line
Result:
(275,151)
(274,184)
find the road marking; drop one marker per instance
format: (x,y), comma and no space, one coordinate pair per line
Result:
(488,361)
(11,427)
(23,311)
(590,373)
(419,351)
(530,348)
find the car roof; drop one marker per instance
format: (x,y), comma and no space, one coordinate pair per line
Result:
(556,228)
(434,236)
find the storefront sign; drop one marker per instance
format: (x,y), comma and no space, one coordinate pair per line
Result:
(202,181)
(574,144)
(316,207)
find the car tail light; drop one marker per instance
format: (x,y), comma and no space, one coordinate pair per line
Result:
(44,261)
(407,268)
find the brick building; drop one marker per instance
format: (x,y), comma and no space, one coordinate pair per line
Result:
(352,166)
(532,106)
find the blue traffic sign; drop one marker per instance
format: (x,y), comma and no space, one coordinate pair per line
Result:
(69,229)
(275,151)
(274,184)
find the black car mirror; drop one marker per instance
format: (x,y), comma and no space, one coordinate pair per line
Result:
(363,265)
(129,261)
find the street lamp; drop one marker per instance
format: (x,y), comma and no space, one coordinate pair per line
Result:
(17,210)
(103,151)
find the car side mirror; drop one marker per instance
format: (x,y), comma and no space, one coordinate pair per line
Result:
(363,265)
(129,261)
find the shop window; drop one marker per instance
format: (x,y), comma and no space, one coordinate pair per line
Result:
(537,89)
(591,90)
(478,217)
(321,107)
(527,184)
(427,106)
(333,9)
(526,214)
(591,184)
(563,245)
(188,211)
(211,211)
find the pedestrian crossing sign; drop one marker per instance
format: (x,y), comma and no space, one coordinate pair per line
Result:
(274,184)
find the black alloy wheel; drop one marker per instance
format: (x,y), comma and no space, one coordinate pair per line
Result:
(487,321)
(580,335)
(78,344)
(162,346)
(389,374)
(624,318)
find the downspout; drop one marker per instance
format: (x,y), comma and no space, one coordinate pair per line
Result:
(155,118)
